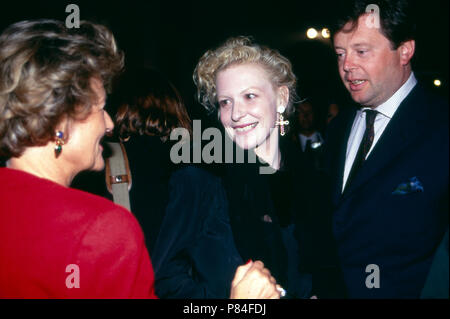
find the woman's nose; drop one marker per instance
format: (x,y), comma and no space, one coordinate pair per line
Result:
(238,112)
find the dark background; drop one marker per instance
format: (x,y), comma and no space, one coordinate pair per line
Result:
(172,35)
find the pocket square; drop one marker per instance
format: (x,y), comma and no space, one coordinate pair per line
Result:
(413,186)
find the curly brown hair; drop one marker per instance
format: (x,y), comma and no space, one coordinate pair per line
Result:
(241,50)
(45,73)
(148,104)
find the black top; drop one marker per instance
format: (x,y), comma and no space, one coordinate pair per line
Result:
(215,223)
(264,210)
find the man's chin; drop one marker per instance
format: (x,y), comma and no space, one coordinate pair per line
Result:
(359,98)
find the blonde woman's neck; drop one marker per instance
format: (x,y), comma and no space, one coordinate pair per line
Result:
(269,151)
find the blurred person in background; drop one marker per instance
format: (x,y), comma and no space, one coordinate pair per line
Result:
(147,108)
(306,133)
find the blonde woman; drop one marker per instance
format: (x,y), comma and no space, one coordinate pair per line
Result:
(243,214)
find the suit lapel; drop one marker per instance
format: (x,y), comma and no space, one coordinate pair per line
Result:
(339,152)
(403,129)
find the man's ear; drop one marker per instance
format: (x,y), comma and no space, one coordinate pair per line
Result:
(406,50)
(283,96)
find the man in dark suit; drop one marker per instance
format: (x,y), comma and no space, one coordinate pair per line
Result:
(307,135)
(387,159)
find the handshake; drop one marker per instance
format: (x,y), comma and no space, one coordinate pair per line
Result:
(254,281)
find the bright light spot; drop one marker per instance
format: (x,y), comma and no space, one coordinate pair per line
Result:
(437,83)
(325,33)
(311,33)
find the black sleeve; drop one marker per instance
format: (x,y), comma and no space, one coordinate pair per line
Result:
(194,256)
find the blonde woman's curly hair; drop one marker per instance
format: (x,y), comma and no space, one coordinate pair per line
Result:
(45,76)
(242,50)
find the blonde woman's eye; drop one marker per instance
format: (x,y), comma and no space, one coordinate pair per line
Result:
(223,103)
(250,96)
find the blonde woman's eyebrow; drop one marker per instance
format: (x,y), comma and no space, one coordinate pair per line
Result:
(250,88)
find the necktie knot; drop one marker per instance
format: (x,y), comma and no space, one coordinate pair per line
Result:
(370,117)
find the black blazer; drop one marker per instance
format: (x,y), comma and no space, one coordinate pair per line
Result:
(394,213)
(195,255)
(212,225)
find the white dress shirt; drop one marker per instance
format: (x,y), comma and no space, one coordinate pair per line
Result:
(385,112)
(314,138)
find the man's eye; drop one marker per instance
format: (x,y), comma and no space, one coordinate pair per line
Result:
(362,52)
(339,55)
(250,96)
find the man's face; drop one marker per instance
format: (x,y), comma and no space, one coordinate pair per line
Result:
(370,69)
(306,117)
(333,110)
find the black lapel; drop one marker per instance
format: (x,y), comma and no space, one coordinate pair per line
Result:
(337,145)
(407,123)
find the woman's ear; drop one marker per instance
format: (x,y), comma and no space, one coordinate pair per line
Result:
(283,96)
(64,126)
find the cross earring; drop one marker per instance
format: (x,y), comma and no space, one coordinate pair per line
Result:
(281,122)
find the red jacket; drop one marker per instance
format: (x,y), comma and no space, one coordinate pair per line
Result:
(58,242)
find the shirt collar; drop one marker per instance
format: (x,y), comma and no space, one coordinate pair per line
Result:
(315,137)
(389,107)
